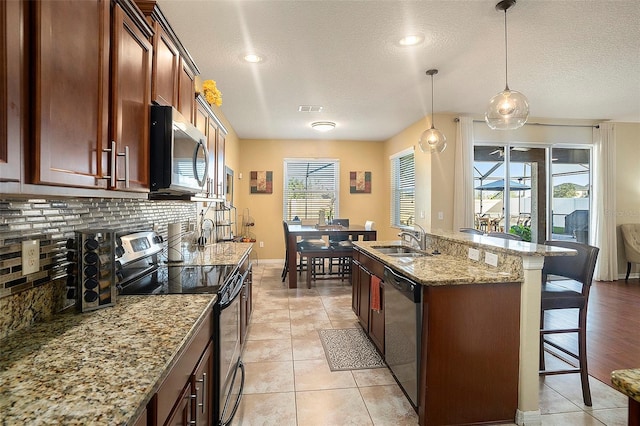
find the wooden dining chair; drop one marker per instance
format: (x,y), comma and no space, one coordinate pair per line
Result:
(341,243)
(570,291)
(300,245)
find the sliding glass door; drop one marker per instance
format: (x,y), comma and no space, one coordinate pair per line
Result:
(510,190)
(535,192)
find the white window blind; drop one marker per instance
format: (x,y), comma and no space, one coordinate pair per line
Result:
(309,186)
(403,189)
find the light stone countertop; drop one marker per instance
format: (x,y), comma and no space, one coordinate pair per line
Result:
(627,382)
(96,368)
(226,253)
(441,269)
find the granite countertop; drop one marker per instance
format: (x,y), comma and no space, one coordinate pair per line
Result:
(627,382)
(100,367)
(442,269)
(226,253)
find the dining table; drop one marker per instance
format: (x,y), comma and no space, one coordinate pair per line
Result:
(305,232)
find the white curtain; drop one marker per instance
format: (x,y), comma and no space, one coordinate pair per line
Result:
(463,203)
(603,219)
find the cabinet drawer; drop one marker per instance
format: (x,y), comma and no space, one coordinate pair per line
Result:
(374,266)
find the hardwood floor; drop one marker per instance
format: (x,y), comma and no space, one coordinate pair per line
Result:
(613,327)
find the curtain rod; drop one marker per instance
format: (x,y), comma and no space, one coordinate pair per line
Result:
(543,124)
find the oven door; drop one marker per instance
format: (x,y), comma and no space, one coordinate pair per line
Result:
(231,369)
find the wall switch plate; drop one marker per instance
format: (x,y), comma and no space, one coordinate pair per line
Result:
(261,244)
(440,215)
(30,257)
(491,259)
(474,254)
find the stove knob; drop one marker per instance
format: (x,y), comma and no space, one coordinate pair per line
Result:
(158,239)
(71,243)
(71,256)
(119,251)
(91,258)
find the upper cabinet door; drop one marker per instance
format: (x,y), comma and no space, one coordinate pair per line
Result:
(131,99)
(11,88)
(166,68)
(186,92)
(70,92)
(220,172)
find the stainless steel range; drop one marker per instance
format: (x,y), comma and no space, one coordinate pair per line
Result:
(139,260)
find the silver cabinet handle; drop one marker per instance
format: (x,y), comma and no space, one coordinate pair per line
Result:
(124,154)
(112,164)
(204,392)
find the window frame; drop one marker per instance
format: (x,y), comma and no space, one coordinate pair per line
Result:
(326,186)
(403,181)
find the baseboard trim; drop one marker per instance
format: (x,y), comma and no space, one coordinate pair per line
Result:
(528,418)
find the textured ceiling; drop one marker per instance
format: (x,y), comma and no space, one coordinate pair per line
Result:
(573,59)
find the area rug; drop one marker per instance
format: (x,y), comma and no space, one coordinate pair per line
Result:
(349,349)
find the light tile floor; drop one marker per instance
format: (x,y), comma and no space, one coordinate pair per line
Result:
(288,381)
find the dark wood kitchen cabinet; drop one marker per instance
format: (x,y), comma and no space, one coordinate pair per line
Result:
(363,269)
(70,103)
(11,89)
(90,112)
(130,98)
(186,91)
(187,391)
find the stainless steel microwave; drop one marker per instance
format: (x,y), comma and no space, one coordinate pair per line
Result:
(179,160)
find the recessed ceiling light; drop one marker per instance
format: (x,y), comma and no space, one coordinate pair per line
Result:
(411,39)
(253,58)
(323,126)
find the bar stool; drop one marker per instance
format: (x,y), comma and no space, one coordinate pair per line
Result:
(569,293)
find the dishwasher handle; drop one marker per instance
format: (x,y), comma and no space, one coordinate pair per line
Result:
(408,288)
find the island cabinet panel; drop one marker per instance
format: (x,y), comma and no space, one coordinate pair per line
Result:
(202,389)
(131,96)
(70,71)
(182,412)
(470,354)
(11,89)
(187,373)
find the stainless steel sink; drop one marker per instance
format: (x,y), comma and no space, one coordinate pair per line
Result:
(400,251)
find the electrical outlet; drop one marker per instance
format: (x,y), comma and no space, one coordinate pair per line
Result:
(474,254)
(440,215)
(30,257)
(491,259)
(261,244)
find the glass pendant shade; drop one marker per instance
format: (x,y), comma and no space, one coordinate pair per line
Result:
(508,110)
(432,140)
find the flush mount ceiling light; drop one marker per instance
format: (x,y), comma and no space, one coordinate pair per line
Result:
(432,139)
(411,40)
(323,126)
(509,109)
(253,58)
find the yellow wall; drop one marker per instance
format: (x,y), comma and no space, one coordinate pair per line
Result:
(627,182)
(266,209)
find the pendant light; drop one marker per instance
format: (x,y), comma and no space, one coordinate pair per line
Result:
(509,109)
(432,139)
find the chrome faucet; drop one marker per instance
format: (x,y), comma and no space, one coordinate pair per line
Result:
(419,236)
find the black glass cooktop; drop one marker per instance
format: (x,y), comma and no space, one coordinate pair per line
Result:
(168,279)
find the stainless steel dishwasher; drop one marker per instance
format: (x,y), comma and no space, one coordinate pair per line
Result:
(402,329)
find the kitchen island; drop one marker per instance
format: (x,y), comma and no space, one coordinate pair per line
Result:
(480,323)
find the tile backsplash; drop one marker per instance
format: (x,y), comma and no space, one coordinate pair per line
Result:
(25,299)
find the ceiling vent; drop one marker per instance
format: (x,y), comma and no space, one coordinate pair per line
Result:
(310,108)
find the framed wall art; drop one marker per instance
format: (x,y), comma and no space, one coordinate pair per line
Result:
(360,182)
(261,182)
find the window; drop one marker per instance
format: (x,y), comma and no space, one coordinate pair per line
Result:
(310,186)
(403,188)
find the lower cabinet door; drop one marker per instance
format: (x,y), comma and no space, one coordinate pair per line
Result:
(203,388)
(181,415)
